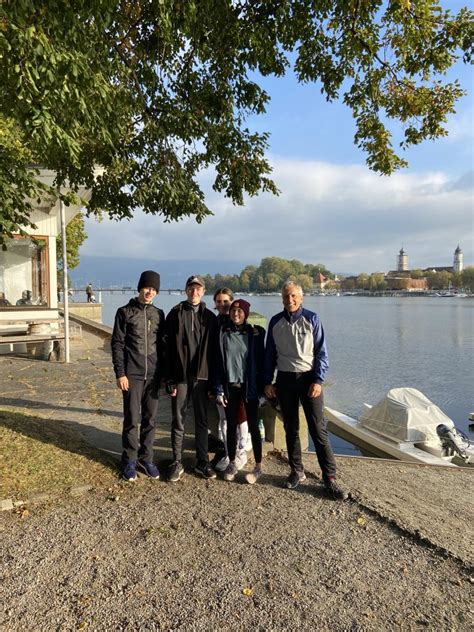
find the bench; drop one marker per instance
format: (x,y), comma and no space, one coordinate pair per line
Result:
(8,340)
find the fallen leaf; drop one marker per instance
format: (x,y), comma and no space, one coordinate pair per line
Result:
(361,521)
(248,592)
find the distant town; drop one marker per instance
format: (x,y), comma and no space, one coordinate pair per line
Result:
(272,272)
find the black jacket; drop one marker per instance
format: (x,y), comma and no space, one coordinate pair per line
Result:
(137,341)
(177,347)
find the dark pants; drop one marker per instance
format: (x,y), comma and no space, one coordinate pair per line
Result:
(235,396)
(194,391)
(140,409)
(292,388)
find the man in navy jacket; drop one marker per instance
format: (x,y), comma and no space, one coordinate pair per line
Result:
(296,348)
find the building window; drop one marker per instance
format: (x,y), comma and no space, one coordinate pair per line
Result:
(24,272)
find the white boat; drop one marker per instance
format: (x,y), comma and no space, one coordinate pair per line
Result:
(405,425)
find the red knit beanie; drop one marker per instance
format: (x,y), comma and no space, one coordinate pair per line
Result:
(244,306)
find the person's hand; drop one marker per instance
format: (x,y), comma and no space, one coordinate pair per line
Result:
(262,401)
(221,400)
(315,390)
(270,392)
(171,389)
(122,383)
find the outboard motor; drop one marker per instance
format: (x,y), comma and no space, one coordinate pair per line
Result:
(450,441)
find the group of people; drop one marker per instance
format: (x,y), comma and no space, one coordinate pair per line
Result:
(198,355)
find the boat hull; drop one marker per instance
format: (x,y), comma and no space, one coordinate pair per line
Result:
(350,429)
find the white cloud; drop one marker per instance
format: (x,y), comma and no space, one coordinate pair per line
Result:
(345,216)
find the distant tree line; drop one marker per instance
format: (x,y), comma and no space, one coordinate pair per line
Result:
(269,276)
(272,272)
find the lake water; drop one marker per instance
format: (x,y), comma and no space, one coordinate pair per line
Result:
(375,344)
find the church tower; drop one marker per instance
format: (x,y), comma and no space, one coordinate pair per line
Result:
(402,264)
(458,263)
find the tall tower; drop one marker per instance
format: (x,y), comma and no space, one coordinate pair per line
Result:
(402,264)
(458,263)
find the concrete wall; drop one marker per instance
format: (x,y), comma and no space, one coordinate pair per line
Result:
(275,431)
(91,311)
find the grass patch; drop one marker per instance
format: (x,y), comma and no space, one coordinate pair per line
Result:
(44,455)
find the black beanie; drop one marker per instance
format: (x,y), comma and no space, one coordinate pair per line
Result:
(149,278)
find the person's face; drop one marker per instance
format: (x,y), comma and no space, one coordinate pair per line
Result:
(237,315)
(194,292)
(223,302)
(292,299)
(147,294)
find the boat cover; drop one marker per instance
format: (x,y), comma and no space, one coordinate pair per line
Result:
(405,414)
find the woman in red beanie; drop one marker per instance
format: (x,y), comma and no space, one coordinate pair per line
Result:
(239,376)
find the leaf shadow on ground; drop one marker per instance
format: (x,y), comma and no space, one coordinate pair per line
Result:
(44,454)
(27,403)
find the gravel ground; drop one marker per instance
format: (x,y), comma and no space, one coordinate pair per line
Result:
(210,555)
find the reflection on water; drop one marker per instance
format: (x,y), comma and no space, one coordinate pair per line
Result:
(380,343)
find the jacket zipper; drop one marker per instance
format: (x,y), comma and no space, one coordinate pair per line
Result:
(146,343)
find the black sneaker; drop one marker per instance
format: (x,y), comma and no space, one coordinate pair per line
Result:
(205,471)
(149,468)
(175,472)
(129,473)
(334,490)
(294,479)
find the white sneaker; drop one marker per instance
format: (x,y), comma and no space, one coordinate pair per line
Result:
(222,464)
(240,461)
(253,476)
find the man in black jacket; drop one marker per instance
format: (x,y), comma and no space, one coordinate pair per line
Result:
(189,330)
(137,353)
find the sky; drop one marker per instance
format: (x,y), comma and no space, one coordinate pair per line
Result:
(332,209)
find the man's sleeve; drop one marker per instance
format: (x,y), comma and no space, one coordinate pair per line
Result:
(270,356)
(216,365)
(321,360)
(259,341)
(169,343)
(118,343)
(160,344)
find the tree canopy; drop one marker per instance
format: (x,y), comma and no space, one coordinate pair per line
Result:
(75,237)
(156,91)
(269,276)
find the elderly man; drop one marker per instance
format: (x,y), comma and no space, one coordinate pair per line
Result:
(297,349)
(189,330)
